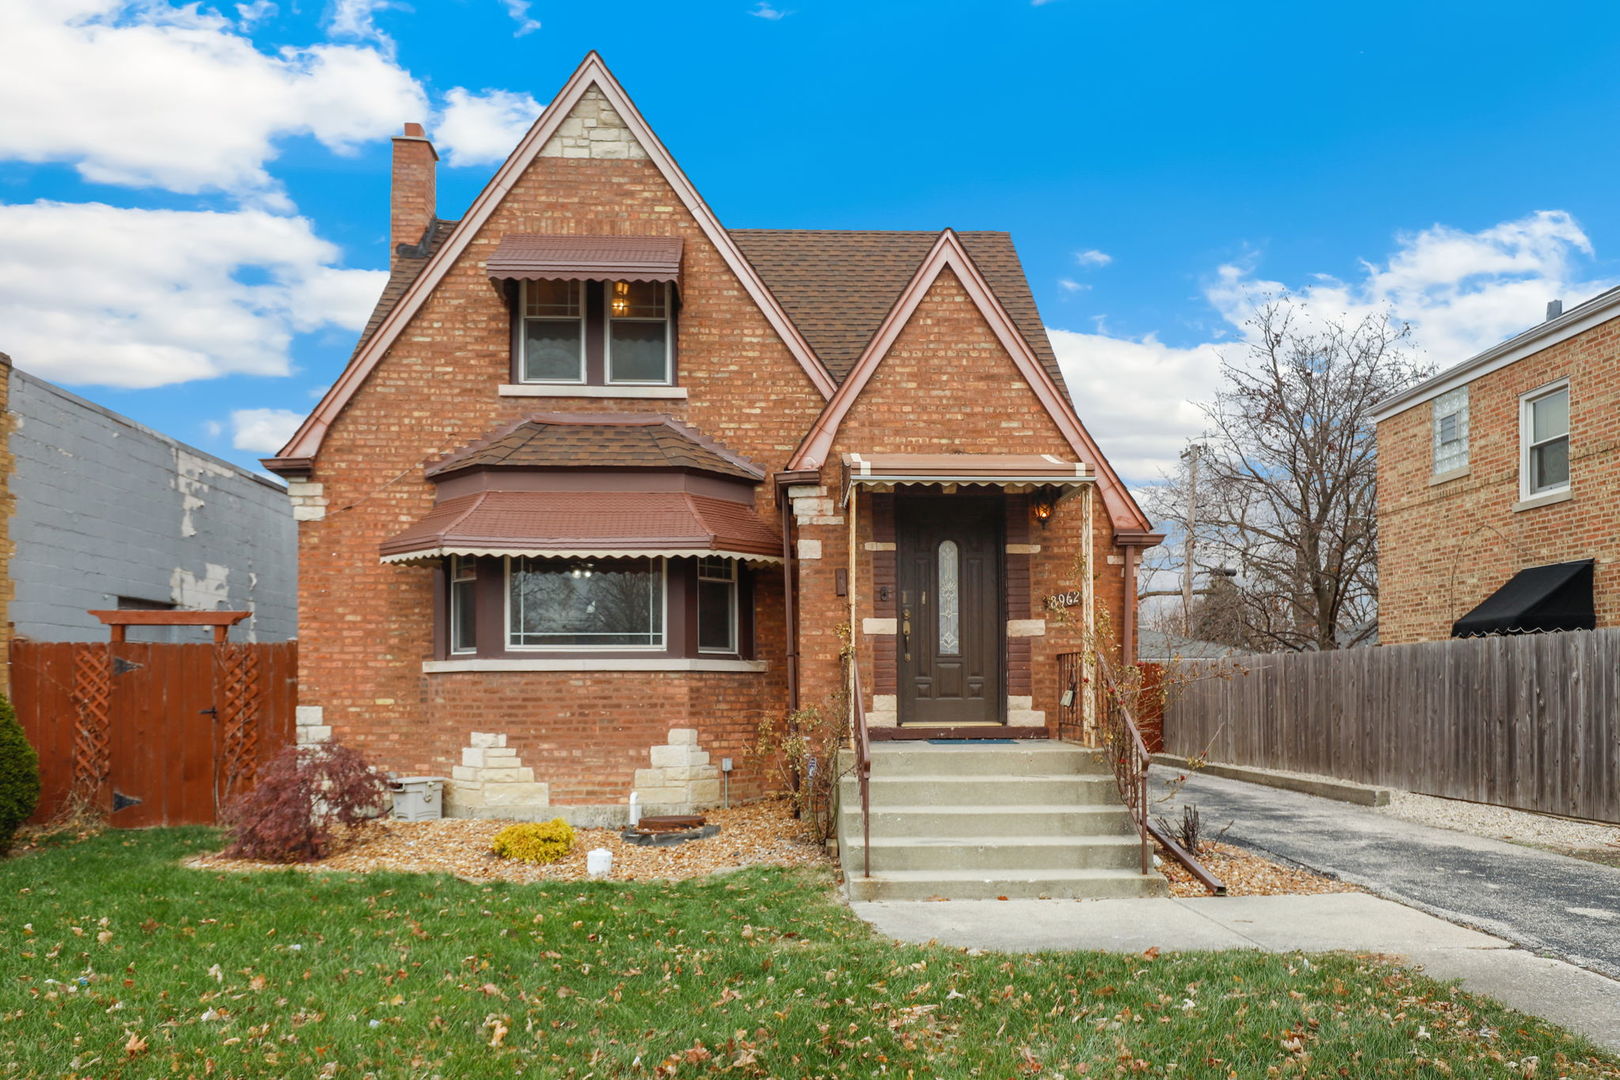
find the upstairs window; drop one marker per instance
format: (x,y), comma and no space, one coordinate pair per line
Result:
(1451,431)
(595,333)
(638,332)
(1544,434)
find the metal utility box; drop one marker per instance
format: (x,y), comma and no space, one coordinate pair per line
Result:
(418,798)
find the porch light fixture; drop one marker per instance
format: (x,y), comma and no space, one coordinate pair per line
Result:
(1043,504)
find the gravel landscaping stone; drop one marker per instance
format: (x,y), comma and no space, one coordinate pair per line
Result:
(1502,823)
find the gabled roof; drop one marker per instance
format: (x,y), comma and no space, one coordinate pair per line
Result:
(306,442)
(948,253)
(408,264)
(599,441)
(838,285)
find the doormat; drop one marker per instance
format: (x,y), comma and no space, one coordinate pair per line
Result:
(971,742)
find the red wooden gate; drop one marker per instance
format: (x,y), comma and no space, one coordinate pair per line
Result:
(152,734)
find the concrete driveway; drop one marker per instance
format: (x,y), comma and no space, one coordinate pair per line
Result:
(1547,903)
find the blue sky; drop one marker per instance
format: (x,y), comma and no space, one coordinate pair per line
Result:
(193,199)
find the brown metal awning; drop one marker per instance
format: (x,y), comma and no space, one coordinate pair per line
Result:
(535,256)
(572,524)
(1011,472)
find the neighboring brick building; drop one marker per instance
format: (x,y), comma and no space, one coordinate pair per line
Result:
(1499,486)
(99,512)
(601,470)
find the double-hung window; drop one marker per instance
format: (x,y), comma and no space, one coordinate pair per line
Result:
(1544,435)
(1451,431)
(463,604)
(717,605)
(638,332)
(596,333)
(553,331)
(585,603)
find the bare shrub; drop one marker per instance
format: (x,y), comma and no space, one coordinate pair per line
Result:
(304,798)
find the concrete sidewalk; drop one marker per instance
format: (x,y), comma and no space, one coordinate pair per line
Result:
(1562,993)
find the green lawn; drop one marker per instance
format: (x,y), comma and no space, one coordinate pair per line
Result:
(117,962)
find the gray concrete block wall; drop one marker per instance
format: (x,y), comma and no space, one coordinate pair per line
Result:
(107,508)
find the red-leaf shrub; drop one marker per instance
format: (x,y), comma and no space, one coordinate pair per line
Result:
(303,797)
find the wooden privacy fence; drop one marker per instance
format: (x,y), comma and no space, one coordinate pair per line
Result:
(152,734)
(1529,721)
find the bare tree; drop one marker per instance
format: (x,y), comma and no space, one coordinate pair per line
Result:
(1287,489)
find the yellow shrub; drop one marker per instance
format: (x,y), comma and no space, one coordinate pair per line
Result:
(534,841)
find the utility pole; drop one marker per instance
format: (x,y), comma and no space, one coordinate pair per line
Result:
(1188,544)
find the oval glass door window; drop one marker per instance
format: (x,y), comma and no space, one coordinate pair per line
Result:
(950,635)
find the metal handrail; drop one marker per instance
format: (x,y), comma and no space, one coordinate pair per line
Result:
(1128,754)
(863,762)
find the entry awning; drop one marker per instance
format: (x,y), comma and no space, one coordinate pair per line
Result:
(573,524)
(1012,472)
(1555,597)
(536,256)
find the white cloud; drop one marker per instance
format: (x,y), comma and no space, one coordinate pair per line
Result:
(358,19)
(179,98)
(763,10)
(104,295)
(1460,291)
(519,10)
(1071,286)
(481,128)
(251,14)
(1093,257)
(263,431)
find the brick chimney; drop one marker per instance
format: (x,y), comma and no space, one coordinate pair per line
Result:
(414,199)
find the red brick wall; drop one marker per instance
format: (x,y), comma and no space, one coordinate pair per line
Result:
(365,627)
(1444,547)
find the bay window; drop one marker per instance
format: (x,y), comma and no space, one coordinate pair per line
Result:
(717,606)
(463,604)
(585,604)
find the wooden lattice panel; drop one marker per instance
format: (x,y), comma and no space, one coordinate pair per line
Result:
(240,698)
(92,703)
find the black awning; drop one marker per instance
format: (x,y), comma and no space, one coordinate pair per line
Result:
(1556,597)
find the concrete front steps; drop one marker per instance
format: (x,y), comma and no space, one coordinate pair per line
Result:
(1024,820)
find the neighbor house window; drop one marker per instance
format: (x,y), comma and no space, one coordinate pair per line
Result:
(1451,431)
(638,332)
(585,603)
(1544,432)
(463,605)
(717,605)
(553,331)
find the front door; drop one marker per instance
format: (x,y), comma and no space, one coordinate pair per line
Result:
(951,625)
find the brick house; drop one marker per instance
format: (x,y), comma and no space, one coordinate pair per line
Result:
(605,483)
(1499,486)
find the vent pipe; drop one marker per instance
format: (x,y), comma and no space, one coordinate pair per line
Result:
(1555,308)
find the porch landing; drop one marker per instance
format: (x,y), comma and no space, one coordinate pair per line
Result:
(979,822)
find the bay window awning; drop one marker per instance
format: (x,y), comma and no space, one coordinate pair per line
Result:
(1541,598)
(541,257)
(574,524)
(1010,472)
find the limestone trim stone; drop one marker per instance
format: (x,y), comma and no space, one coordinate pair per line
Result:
(309,725)
(628,663)
(308,500)
(1026,627)
(593,129)
(681,780)
(492,782)
(671,393)
(879,626)
(1021,712)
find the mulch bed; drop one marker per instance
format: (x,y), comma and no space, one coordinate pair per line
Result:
(759,834)
(1247,874)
